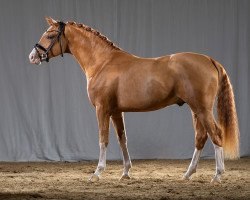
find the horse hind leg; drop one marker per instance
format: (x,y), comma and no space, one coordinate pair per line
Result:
(215,135)
(200,140)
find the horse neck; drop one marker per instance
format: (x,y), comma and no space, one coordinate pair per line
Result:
(89,50)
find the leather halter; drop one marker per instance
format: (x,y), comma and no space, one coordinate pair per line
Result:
(45,55)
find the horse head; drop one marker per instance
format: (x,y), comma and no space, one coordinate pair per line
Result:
(51,44)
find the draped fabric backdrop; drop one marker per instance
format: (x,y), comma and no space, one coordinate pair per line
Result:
(45,113)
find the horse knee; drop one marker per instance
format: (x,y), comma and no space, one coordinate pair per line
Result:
(104,137)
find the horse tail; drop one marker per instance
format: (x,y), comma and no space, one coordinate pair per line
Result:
(227,116)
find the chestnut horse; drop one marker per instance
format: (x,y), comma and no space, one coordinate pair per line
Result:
(119,82)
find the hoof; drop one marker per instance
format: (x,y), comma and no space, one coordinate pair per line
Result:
(125,177)
(93,178)
(186,178)
(215,181)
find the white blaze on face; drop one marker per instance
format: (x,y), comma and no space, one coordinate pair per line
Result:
(34,58)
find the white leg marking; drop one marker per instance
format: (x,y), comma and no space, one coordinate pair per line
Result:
(102,160)
(101,164)
(126,158)
(219,159)
(193,165)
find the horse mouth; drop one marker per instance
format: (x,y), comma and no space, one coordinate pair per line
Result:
(36,61)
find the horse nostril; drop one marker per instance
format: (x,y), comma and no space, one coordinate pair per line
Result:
(32,57)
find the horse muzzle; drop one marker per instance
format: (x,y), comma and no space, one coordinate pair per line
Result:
(34,57)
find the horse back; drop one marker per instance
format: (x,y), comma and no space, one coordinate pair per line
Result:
(130,83)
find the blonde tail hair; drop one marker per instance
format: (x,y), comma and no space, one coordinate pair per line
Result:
(227,116)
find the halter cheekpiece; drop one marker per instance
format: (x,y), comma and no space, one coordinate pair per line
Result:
(45,55)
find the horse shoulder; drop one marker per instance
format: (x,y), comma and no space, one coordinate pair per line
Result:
(101,87)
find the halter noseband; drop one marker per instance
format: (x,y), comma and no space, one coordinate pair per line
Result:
(45,55)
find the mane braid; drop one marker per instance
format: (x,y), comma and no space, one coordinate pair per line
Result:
(96,33)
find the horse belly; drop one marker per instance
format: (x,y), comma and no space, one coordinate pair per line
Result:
(146,94)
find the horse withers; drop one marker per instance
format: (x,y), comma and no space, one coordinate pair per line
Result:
(119,82)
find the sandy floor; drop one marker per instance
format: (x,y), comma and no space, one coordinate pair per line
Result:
(151,179)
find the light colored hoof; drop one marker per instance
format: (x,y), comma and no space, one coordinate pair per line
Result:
(93,178)
(186,178)
(215,181)
(125,177)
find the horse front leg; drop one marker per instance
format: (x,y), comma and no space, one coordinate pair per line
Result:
(118,123)
(103,119)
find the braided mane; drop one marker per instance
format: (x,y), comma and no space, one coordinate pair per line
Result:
(96,33)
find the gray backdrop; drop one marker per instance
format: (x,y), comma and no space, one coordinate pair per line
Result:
(44,111)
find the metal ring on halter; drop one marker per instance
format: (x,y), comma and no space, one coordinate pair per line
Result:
(45,55)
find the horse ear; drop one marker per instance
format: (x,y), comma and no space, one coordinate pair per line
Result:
(50,21)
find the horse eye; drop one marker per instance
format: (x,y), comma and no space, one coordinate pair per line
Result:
(50,37)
